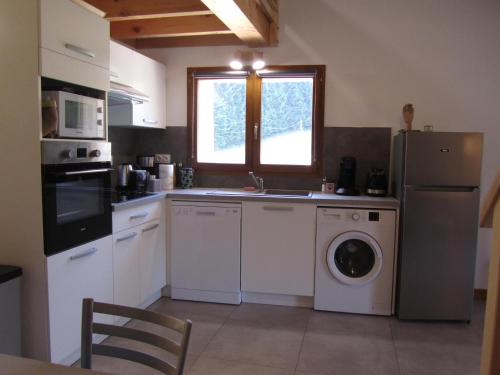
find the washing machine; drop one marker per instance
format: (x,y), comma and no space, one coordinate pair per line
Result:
(355,260)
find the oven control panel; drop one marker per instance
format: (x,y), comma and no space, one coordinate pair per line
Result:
(63,152)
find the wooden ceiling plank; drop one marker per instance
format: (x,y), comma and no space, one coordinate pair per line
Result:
(245,18)
(160,15)
(158,27)
(189,41)
(137,9)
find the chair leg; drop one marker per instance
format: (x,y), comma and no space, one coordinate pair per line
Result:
(184,348)
(87,321)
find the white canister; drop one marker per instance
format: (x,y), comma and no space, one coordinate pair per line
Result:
(166,173)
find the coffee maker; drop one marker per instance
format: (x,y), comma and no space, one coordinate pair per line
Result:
(346,184)
(376,183)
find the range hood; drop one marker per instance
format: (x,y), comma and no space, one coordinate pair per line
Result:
(121,92)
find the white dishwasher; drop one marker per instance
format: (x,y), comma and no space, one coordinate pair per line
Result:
(205,251)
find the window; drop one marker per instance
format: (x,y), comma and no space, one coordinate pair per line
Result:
(267,121)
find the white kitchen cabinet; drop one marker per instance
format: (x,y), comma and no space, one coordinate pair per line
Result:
(139,254)
(152,258)
(126,273)
(129,217)
(81,272)
(74,44)
(277,248)
(131,68)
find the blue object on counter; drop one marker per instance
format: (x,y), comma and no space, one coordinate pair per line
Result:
(186,178)
(10,310)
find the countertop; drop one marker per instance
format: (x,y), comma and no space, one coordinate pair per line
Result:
(151,197)
(11,365)
(238,195)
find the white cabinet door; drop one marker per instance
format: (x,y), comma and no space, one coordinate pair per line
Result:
(74,44)
(71,30)
(132,68)
(123,65)
(154,83)
(126,269)
(277,248)
(84,271)
(152,258)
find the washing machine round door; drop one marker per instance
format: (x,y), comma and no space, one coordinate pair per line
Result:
(354,258)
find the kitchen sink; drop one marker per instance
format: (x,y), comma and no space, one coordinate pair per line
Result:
(288,192)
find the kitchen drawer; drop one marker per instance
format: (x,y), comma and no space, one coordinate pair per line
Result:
(136,215)
(74,31)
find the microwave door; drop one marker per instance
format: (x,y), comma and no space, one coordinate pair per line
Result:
(80,117)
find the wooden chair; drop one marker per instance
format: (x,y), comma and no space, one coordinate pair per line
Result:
(89,327)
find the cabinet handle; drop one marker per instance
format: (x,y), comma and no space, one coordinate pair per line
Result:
(205,213)
(113,74)
(150,228)
(80,50)
(277,208)
(139,216)
(148,121)
(84,253)
(126,237)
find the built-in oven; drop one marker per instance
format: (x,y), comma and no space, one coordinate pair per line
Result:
(76,187)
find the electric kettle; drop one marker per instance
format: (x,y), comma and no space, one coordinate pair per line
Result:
(124,170)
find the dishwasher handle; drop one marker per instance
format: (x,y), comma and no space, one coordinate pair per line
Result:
(205,213)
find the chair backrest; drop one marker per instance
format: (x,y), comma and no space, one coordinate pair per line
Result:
(178,349)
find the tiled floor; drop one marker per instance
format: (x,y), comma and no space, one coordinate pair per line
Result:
(275,340)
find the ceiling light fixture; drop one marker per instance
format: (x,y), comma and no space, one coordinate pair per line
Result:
(247,58)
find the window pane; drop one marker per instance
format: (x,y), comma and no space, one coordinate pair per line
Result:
(221,118)
(286,121)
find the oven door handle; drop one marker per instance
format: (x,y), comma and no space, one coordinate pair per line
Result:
(87,171)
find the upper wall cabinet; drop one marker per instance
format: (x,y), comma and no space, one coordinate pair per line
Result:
(143,76)
(74,44)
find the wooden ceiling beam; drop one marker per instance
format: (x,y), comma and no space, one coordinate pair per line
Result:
(246,19)
(189,41)
(168,27)
(119,10)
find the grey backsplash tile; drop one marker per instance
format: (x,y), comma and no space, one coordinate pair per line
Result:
(370,146)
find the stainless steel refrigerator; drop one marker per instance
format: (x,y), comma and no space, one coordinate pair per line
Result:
(436,178)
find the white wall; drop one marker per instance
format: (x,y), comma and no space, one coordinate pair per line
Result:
(21,232)
(442,56)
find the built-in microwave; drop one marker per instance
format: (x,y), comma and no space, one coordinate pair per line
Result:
(69,115)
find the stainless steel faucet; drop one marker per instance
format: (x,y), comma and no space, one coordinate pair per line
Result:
(259,181)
